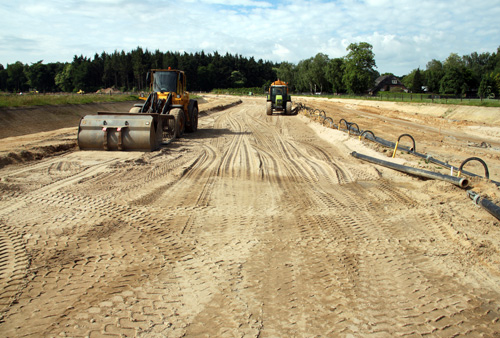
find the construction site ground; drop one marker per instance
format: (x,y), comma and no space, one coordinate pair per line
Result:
(254,226)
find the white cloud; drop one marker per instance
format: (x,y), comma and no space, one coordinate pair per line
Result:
(246,3)
(281,51)
(405,34)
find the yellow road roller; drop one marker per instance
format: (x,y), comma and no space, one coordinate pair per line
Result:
(167,112)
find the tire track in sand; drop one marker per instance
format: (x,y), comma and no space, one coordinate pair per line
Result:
(256,229)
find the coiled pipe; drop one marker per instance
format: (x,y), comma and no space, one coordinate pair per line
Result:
(461,182)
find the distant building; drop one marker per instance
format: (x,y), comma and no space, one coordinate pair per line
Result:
(388,83)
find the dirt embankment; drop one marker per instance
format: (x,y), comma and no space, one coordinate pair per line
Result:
(32,133)
(450,133)
(29,120)
(486,115)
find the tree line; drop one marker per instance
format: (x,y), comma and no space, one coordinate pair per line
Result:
(127,72)
(474,74)
(355,73)
(467,75)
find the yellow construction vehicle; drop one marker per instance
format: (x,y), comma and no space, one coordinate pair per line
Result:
(166,113)
(278,98)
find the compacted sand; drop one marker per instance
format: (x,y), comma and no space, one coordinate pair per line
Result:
(255,226)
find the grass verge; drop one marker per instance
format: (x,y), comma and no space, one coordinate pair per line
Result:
(16,100)
(420,98)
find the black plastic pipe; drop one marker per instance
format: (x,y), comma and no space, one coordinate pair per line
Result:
(431,159)
(461,182)
(488,205)
(486,172)
(427,158)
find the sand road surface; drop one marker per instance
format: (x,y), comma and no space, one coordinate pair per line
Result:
(255,226)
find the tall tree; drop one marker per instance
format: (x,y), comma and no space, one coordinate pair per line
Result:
(238,80)
(496,84)
(494,64)
(335,73)
(125,70)
(413,81)
(97,71)
(359,68)
(304,79)
(39,76)
(17,80)
(457,78)
(318,72)
(140,66)
(416,84)
(171,60)
(64,78)
(253,73)
(486,87)
(286,72)
(407,80)
(433,74)
(478,65)
(82,74)
(3,78)
(206,77)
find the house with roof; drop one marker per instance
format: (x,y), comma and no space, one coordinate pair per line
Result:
(388,83)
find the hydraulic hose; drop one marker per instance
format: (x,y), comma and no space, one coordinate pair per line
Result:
(461,182)
(491,207)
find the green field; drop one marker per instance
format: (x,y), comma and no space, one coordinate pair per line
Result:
(422,98)
(25,100)
(382,96)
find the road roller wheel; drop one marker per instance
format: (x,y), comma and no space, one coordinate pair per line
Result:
(180,123)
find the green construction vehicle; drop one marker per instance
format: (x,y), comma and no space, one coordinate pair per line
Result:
(278,98)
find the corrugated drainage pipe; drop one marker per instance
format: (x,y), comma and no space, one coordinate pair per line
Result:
(461,182)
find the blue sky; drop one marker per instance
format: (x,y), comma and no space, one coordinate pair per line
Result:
(404,34)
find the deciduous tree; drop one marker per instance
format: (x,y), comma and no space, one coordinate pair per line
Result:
(359,69)
(335,73)
(64,79)
(17,80)
(318,72)
(457,78)
(287,72)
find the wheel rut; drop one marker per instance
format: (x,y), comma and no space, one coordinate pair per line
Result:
(255,227)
